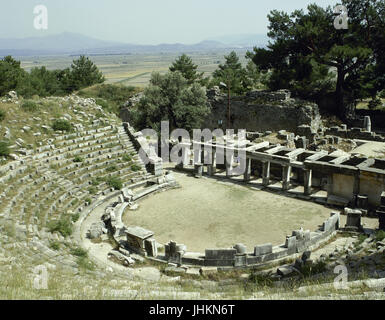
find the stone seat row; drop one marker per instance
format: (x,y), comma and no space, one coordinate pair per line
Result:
(54,151)
(89,158)
(84,133)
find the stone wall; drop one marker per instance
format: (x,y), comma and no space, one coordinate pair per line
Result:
(257,111)
(146,152)
(262,111)
(238,256)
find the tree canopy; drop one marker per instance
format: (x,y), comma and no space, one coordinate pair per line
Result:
(84,73)
(171,98)
(232,74)
(310,57)
(187,68)
(43,82)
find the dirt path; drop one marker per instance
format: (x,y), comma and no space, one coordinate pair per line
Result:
(207,213)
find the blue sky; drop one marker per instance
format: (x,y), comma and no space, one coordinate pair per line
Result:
(146,21)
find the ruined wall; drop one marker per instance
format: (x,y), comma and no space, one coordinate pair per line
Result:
(343,186)
(372,185)
(258,111)
(262,111)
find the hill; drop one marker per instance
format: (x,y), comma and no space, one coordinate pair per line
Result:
(72,43)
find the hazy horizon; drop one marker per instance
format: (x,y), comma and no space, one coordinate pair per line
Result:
(145,21)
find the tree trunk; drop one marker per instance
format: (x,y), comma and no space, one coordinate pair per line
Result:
(339,94)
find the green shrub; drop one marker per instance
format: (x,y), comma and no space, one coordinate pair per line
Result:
(310,270)
(380,235)
(111,169)
(88,201)
(98,180)
(103,103)
(135,167)
(92,190)
(4,149)
(361,239)
(127,158)
(2,115)
(115,183)
(260,280)
(79,252)
(374,103)
(75,217)
(54,245)
(109,96)
(85,264)
(29,106)
(62,125)
(78,159)
(63,226)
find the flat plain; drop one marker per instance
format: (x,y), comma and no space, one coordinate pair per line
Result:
(133,69)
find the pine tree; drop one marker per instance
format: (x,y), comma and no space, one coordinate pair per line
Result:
(84,73)
(187,68)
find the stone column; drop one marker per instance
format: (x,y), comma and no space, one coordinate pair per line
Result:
(381,219)
(356,186)
(286,173)
(367,124)
(307,180)
(197,156)
(330,184)
(211,168)
(266,173)
(198,170)
(229,159)
(185,158)
(220,158)
(247,174)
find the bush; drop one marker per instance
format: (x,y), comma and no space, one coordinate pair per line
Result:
(103,103)
(29,106)
(92,190)
(75,217)
(85,263)
(261,280)
(109,96)
(374,103)
(361,239)
(88,201)
(63,226)
(111,169)
(115,183)
(54,245)
(62,125)
(127,158)
(2,115)
(380,235)
(135,167)
(97,181)
(78,159)
(4,149)
(79,252)
(310,270)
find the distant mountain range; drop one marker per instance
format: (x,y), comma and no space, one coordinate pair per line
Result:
(72,43)
(243,40)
